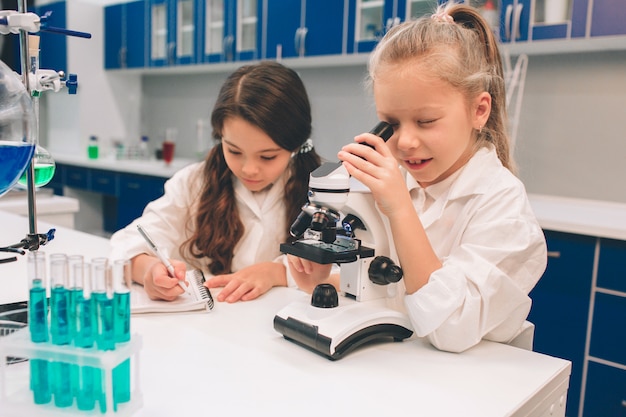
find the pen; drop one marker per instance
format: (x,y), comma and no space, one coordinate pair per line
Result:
(157,252)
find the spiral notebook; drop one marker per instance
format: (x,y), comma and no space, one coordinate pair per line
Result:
(198,299)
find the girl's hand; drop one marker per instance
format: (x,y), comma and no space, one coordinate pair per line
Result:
(157,282)
(377,169)
(248,283)
(308,274)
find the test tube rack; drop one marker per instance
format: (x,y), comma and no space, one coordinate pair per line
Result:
(18,344)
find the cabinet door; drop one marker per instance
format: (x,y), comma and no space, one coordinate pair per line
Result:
(161,36)
(114,54)
(135,192)
(324,23)
(213,30)
(560,305)
(605,393)
(608,342)
(77,177)
(183,25)
(283,24)
(248,29)
(372,19)
(53,46)
(515,19)
(231,30)
(125,32)
(608,17)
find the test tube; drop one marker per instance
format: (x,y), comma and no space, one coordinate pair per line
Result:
(102,318)
(38,325)
(75,266)
(121,307)
(84,334)
(60,328)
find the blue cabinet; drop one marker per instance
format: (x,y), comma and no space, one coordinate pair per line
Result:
(124,195)
(579,311)
(372,18)
(608,18)
(135,192)
(53,46)
(531,20)
(560,305)
(174,38)
(307,28)
(605,391)
(232,30)
(125,33)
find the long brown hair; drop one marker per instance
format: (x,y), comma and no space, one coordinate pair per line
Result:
(273,98)
(462,51)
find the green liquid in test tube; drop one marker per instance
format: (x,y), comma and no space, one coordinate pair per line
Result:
(38,326)
(121,311)
(60,328)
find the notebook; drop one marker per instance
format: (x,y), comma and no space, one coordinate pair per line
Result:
(198,299)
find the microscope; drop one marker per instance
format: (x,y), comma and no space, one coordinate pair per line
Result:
(359,242)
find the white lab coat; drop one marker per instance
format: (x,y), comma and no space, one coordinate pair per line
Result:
(493,251)
(170,219)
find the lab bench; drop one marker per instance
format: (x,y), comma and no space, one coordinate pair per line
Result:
(579,305)
(126,186)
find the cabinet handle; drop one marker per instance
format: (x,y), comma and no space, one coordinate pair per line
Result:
(517,21)
(299,41)
(122,57)
(133,186)
(507,22)
(102,181)
(554,254)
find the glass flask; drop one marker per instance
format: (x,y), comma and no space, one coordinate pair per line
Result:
(18,125)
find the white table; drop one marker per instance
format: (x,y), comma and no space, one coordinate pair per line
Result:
(231,362)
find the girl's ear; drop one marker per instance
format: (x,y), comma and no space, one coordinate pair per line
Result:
(482,109)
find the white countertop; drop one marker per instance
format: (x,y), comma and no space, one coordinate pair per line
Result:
(46,203)
(231,361)
(580,216)
(148,167)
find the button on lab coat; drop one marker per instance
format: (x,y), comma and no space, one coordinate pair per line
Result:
(170,220)
(493,252)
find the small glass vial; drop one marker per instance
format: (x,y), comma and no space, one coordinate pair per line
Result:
(92,148)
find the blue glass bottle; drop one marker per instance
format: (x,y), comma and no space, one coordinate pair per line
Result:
(40,382)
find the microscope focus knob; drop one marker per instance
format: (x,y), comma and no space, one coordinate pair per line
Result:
(324,296)
(383,271)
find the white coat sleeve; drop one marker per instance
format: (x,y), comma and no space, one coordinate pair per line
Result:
(481,291)
(165,219)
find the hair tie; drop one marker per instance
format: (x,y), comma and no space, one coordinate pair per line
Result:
(442,17)
(306,147)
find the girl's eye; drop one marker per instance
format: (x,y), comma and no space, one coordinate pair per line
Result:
(425,122)
(233,152)
(268,158)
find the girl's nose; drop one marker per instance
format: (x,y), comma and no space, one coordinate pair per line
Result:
(249,167)
(406,139)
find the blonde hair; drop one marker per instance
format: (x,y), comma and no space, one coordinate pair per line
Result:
(456,45)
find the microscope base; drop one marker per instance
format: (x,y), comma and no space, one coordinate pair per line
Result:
(334,332)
